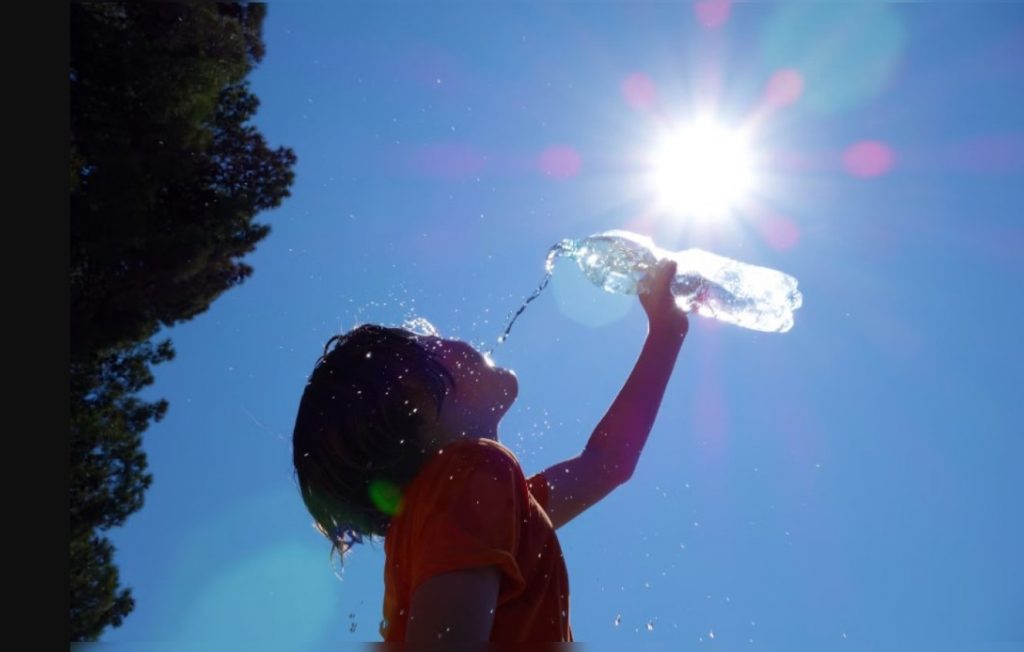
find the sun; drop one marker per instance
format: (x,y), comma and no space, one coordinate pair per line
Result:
(702,170)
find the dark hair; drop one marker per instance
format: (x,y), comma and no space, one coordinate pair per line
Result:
(361,429)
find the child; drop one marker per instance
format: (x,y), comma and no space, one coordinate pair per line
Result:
(397,437)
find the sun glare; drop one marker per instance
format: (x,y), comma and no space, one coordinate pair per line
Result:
(702,170)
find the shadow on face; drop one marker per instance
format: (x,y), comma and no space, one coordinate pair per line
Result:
(483,391)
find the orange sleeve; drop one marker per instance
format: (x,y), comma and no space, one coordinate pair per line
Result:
(474,519)
(541,490)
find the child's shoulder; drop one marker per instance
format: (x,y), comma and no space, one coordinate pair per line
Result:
(481,455)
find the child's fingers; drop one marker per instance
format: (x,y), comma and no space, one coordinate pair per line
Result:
(659,282)
(670,268)
(667,272)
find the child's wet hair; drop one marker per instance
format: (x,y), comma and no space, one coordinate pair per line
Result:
(363,429)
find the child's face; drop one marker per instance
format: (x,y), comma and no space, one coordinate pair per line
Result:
(483,391)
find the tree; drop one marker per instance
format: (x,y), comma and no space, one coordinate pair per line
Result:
(167,176)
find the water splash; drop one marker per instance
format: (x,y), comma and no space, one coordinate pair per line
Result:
(420,326)
(563,248)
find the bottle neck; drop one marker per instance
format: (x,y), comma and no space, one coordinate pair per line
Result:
(564,247)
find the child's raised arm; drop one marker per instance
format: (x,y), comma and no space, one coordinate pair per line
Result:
(613,449)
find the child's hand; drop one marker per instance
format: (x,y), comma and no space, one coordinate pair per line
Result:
(663,315)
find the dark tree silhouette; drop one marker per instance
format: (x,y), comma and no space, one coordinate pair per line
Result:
(167,176)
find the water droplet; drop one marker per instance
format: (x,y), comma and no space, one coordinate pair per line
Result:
(352,627)
(711,633)
(618,619)
(650,625)
(420,326)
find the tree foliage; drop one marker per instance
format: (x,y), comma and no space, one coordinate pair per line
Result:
(167,176)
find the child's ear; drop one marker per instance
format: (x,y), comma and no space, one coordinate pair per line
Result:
(421,400)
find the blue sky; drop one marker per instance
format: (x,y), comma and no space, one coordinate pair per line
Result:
(852,482)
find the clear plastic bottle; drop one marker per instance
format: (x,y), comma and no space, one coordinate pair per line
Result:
(753,297)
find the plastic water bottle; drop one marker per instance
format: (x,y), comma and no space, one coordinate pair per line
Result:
(753,297)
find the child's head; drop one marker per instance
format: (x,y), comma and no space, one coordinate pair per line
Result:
(378,403)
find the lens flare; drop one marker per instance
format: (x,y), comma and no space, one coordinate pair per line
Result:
(560,162)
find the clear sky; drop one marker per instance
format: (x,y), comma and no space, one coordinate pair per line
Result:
(853,482)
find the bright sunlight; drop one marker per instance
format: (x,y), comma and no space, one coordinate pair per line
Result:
(702,170)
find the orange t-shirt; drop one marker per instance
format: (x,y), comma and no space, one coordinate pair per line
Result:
(471,506)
